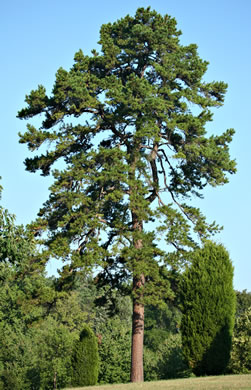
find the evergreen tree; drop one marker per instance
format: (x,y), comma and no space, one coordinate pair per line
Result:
(85,359)
(208,302)
(128,124)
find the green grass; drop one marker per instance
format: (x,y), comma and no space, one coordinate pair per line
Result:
(227,382)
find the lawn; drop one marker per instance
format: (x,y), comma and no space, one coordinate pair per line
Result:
(227,382)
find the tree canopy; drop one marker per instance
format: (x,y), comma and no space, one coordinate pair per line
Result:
(128,124)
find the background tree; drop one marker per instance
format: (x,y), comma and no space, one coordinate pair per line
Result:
(241,350)
(128,125)
(114,351)
(38,323)
(208,305)
(163,357)
(243,302)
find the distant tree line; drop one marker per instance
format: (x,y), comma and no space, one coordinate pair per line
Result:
(45,322)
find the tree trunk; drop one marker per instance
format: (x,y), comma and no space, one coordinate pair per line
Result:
(137,371)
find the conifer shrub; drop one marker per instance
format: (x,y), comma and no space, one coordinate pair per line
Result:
(85,359)
(208,304)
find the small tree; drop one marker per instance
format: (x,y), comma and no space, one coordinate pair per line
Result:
(208,301)
(85,360)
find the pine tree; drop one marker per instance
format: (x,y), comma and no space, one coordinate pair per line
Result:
(132,148)
(208,301)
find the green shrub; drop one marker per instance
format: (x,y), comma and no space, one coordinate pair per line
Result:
(85,359)
(208,301)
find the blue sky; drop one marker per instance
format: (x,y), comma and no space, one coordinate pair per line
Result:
(37,37)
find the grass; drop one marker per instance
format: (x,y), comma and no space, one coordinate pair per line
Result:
(227,382)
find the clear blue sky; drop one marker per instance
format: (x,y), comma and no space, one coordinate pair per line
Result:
(37,37)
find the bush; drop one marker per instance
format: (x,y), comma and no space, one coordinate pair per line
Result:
(85,359)
(208,301)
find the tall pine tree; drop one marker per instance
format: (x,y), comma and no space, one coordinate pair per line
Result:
(137,147)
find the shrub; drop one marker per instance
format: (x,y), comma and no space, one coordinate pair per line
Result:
(85,359)
(208,302)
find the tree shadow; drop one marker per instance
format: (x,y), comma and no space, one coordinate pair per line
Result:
(216,358)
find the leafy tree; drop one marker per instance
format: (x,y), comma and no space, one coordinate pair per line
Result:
(128,125)
(37,328)
(243,302)
(85,359)
(208,302)
(53,346)
(163,357)
(114,351)
(241,350)
(16,356)
(240,355)
(167,361)
(160,322)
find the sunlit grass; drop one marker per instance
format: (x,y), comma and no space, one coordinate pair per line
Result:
(227,382)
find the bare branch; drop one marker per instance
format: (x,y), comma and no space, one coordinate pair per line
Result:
(152,160)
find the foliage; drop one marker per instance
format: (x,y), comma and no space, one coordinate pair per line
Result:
(160,322)
(38,358)
(163,358)
(127,125)
(85,360)
(243,302)
(37,324)
(137,137)
(167,361)
(114,351)
(208,303)
(16,356)
(52,346)
(241,350)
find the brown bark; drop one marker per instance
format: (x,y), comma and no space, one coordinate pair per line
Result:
(137,371)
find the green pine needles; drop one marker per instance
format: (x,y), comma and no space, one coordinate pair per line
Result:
(208,301)
(85,359)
